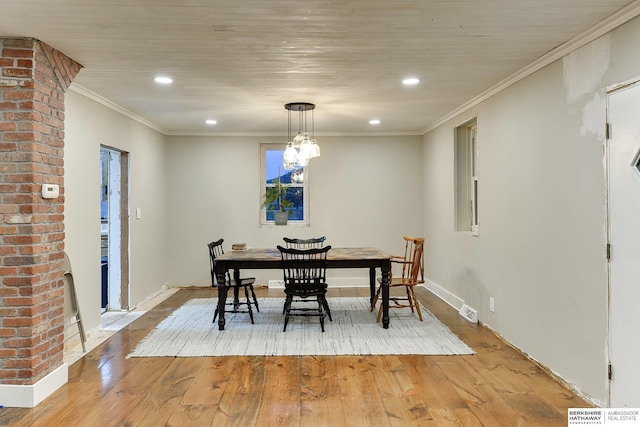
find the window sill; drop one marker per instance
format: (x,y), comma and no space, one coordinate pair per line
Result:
(289,225)
(469,233)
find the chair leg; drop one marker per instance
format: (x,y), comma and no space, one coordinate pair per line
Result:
(83,337)
(409,298)
(411,303)
(321,314)
(255,300)
(379,314)
(417,304)
(375,299)
(287,309)
(325,304)
(246,294)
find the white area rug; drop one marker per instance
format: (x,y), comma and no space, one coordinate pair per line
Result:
(189,332)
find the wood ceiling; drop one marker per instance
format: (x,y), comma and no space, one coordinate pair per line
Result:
(240,61)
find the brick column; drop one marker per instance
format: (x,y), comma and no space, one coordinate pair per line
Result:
(33,79)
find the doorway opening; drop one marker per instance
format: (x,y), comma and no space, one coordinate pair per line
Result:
(114,228)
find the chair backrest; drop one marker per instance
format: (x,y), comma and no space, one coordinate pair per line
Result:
(304,243)
(215,250)
(304,270)
(70,299)
(66,264)
(413,266)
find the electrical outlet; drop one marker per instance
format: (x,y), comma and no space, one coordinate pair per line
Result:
(492,304)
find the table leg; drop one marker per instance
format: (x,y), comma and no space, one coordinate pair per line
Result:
(236,290)
(386,274)
(372,284)
(222,297)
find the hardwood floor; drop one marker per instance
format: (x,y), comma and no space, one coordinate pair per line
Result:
(495,387)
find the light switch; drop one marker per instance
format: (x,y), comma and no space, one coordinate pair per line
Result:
(138,213)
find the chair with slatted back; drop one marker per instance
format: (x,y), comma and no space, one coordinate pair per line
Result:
(304,272)
(246,283)
(304,243)
(315,242)
(412,275)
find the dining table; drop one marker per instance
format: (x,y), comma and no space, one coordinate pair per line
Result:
(370,258)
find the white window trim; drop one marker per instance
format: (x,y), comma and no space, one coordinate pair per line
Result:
(472,133)
(466,177)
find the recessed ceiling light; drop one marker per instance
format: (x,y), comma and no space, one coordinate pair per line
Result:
(374,122)
(163,80)
(211,122)
(411,81)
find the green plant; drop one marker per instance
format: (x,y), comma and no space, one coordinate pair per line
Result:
(276,197)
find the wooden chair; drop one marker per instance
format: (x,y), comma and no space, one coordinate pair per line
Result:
(304,273)
(304,243)
(412,275)
(246,283)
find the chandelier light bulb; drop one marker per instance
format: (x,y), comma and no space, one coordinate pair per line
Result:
(302,147)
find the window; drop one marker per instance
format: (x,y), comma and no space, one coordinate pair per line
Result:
(296,179)
(466,177)
(473,159)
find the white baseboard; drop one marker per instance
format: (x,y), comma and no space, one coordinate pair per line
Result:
(446,296)
(149,298)
(342,282)
(28,396)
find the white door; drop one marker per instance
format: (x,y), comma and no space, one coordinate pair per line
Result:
(623,154)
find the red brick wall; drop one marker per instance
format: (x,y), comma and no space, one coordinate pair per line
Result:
(33,79)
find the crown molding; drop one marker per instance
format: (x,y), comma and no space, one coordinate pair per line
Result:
(283,137)
(624,15)
(115,107)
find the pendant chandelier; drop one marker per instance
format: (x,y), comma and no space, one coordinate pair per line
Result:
(302,147)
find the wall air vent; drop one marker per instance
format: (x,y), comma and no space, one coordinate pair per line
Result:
(469,313)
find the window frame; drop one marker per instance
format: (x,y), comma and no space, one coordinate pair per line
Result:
(472,137)
(466,176)
(263,221)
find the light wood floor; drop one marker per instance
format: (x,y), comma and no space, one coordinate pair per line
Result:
(495,387)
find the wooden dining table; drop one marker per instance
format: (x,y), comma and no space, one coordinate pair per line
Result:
(269,258)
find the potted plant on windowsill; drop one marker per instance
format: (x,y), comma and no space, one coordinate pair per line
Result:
(275,199)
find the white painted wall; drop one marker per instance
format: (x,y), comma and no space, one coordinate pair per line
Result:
(87,125)
(193,190)
(365,191)
(540,251)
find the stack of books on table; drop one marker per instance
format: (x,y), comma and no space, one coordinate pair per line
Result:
(239,246)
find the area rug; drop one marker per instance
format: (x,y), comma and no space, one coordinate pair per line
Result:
(189,332)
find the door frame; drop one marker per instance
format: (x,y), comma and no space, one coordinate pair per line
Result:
(123,236)
(610,90)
